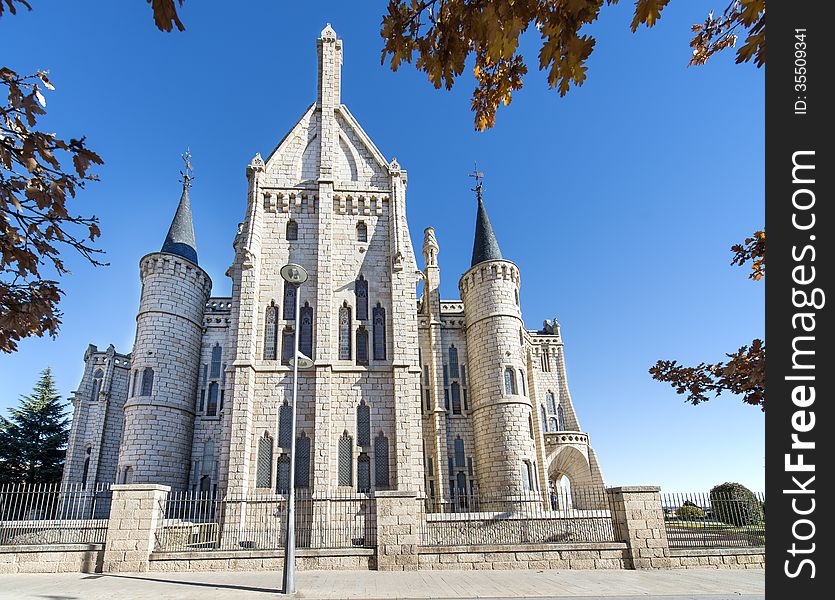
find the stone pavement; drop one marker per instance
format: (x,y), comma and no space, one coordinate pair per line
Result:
(565,585)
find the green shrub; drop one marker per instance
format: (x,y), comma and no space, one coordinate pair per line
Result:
(689,512)
(735,504)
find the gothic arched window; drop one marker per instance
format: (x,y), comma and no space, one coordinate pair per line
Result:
(98,376)
(270,331)
(509,382)
(283,478)
(306,331)
(345,332)
(544,360)
(379,332)
(456,398)
(302,461)
(363,473)
(561,418)
(453,362)
(135,383)
(285,425)
(211,404)
(86,466)
(459,452)
(346,453)
(263,475)
(362,345)
(543,418)
(530,425)
(362,232)
(289,312)
(381,461)
(147,381)
(361,293)
(217,352)
(292,230)
(287,342)
(552,424)
(552,404)
(363,424)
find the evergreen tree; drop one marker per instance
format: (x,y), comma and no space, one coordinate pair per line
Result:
(33,440)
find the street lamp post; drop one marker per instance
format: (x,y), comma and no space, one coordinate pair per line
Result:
(295,275)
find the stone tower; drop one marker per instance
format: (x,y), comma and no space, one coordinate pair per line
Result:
(159,411)
(505,453)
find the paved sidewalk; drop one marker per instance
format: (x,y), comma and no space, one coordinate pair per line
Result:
(565,585)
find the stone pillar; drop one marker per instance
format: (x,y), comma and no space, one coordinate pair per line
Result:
(135,513)
(638,517)
(398,520)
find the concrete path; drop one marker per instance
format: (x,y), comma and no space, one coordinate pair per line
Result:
(565,585)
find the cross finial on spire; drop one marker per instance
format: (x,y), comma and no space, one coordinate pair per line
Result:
(478,175)
(187,174)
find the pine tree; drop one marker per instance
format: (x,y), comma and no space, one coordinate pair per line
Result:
(33,440)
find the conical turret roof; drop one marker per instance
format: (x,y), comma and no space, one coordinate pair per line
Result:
(485,246)
(180,238)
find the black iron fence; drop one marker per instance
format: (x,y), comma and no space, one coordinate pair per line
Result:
(714,520)
(54,513)
(520,518)
(205,521)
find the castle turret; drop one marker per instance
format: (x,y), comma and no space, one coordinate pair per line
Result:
(505,454)
(159,412)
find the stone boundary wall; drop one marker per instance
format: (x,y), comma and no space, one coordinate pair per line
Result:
(56,558)
(600,555)
(348,559)
(717,558)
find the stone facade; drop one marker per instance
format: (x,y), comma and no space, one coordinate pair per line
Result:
(422,396)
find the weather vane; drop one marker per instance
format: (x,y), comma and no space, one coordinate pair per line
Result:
(478,175)
(187,176)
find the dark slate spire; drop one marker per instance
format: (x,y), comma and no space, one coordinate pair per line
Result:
(180,238)
(485,246)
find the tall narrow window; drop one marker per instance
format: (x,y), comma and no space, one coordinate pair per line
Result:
(561,418)
(98,376)
(456,398)
(302,461)
(454,371)
(363,424)
(543,419)
(459,452)
(530,425)
(345,332)
(361,293)
(285,425)
(346,454)
(379,332)
(381,461)
(289,312)
(270,331)
(526,476)
(292,230)
(509,382)
(363,473)
(211,403)
(463,375)
(147,381)
(135,382)
(428,399)
(446,376)
(552,404)
(426,375)
(446,399)
(86,466)
(203,388)
(306,331)
(362,345)
(522,387)
(552,424)
(362,232)
(263,474)
(283,478)
(466,404)
(287,342)
(217,351)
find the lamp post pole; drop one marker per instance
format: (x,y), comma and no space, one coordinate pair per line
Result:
(296,276)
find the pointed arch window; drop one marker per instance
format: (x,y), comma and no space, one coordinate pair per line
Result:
(263,474)
(362,232)
(211,403)
(86,466)
(522,387)
(509,381)
(302,461)
(552,424)
(217,352)
(306,330)
(551,402)
(545,361)
(381,461)
(147,381)
(285,425)
(362,345)
(287,343)
(270,331)
(98,377)
(135,382)
(543,420)
(379,332)
(345,332)
(466,404)
(455,392)
(292,230)
(289,312)
(283,477)
(363,473)
(530,425)
(561,418)
(361,293)
(454,370)
(363,424)
(346,453)
(459,452)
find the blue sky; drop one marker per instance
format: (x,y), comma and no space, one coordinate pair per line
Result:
(619,202)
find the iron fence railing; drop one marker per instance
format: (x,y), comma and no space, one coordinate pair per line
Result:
(714,520)
(555,517)
(255,521)
(54,513)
